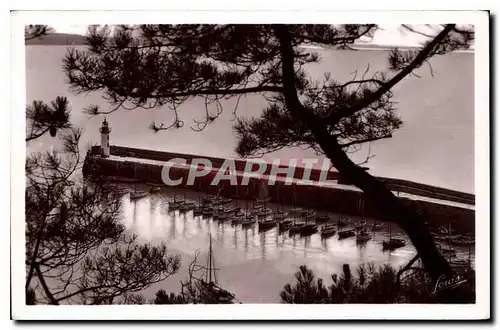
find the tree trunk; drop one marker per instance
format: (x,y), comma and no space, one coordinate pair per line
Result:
(389,205)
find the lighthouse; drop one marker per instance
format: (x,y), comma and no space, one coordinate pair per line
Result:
(105,130)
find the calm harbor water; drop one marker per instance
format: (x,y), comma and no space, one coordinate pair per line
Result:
(272,257)
(435,146)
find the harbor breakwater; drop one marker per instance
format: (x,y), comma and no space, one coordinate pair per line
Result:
(148,166)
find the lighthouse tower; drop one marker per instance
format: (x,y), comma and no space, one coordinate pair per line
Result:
(105,130)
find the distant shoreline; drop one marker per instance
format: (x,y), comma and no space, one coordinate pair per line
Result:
(65,39)
(57,39)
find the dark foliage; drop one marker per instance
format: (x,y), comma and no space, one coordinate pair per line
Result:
(42,118)
(35,31)
(383,285)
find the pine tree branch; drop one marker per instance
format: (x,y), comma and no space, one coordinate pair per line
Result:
(417,62)
(371,139)
(46,289)
(37,135)
(407,267)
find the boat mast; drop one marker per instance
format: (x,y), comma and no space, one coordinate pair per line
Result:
(135,176)
(362,207)
(210,259)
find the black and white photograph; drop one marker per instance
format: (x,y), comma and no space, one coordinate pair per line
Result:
(334,164)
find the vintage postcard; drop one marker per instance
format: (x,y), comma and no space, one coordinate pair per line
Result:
(324,165)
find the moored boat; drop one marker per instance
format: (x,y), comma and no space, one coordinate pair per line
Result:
(237,220)
(197,211)
(393,244)
(360,225)
(462,241)
(328,230)
(138,194)
(342,222)
(266,223)
(239,214)
(207,211)
(322,218)
(296,227)
(284,225)
(223,216)
(280,215)
(247,221)
(264,213)
(296,211)
(257,207)
(172,206)
(310,215)
(363,235)
(346,233)
(459,263)
(309,229)
(153,189)
(187,206)
(447,252)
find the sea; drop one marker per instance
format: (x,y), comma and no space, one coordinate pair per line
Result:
(435,146)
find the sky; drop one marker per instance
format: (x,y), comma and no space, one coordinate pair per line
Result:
(386,35)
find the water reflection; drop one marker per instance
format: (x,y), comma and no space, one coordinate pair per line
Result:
(152,221)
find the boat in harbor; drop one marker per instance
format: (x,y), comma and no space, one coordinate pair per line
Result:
(230,210)
(198,210)
(248,222)
(264,213)
(342,222)
(322,218)
(448,253)
(377,226)
(360,225)
(137,194)
(310,215)
(237,220)
(208,285)
(328,230)
(284,224)
(309,229)
(462,241)
(265,224)
(263,193)
(240,214)
(209,200)
(153,189)
(282,227)
(187,206)
(296,212)
(222,216)
(459,263)
(225,200)
(393,244)
(295,228)
(280,215)
(363,235)
(207,211)
(346,233)
(257,207)
(218,200)
(173,206)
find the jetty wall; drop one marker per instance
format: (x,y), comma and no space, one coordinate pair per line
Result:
(331,199)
